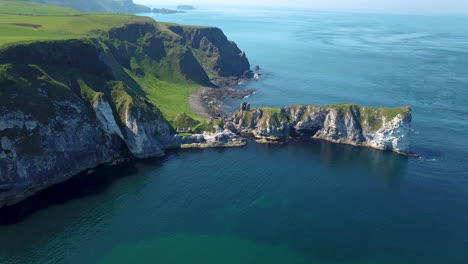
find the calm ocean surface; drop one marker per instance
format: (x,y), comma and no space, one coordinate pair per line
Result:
(312,202)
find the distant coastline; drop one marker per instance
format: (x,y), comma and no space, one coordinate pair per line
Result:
(185,7)
(166,11)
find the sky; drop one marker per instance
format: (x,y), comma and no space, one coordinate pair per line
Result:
(418,6)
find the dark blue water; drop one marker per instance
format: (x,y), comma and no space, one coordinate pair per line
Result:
(304,202)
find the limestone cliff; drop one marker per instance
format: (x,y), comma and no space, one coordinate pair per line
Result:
(380,128)
(219,57)
(67,106)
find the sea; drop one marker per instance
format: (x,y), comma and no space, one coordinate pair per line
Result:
(303,202)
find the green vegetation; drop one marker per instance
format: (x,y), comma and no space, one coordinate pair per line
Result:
(373,117)
(389,113)
(343,107)
(207,126)
(24,21)
(275,115)
(247,117)
(172,97)
(19,91)
(185,121)
(370,116)
(185,134)
(112,6)
(21,8)
(90,95)
(148,65)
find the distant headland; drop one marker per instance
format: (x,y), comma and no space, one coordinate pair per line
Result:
(185,7)
(166,11)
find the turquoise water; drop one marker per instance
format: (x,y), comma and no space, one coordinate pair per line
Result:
(304,202)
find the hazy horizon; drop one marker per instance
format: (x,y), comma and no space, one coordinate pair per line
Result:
(410,6)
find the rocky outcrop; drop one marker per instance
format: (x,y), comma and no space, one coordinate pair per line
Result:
(380,128)
(220,138)
(48,134)
(216,54)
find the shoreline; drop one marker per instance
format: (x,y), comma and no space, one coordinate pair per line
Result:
(208,102)
(18,208)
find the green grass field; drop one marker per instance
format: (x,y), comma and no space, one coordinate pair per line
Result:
(19,7)
(26,21)
(22,21)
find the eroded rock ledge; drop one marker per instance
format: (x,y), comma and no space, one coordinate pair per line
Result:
(379,128)
(26,170)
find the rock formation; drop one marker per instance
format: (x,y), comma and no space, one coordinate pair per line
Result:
(380,128)
(245,106)
(166,11)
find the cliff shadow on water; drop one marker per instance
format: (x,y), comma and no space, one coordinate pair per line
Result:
(92,182)
(388,166)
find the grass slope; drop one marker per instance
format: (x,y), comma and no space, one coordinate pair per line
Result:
(111,6)
(162,83)
(371,117)
(29,8)
(26,21)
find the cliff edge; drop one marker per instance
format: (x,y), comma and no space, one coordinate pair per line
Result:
(67,106)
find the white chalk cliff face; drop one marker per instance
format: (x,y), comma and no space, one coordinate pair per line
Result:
(35,154)
(144,137)
(380,128)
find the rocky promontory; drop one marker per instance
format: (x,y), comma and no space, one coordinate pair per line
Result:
(185,7)
(379,128)
(166,11)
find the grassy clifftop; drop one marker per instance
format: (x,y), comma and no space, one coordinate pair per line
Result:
(369,117)
(26,21)
(22,8)
(158,62)
(112,6)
